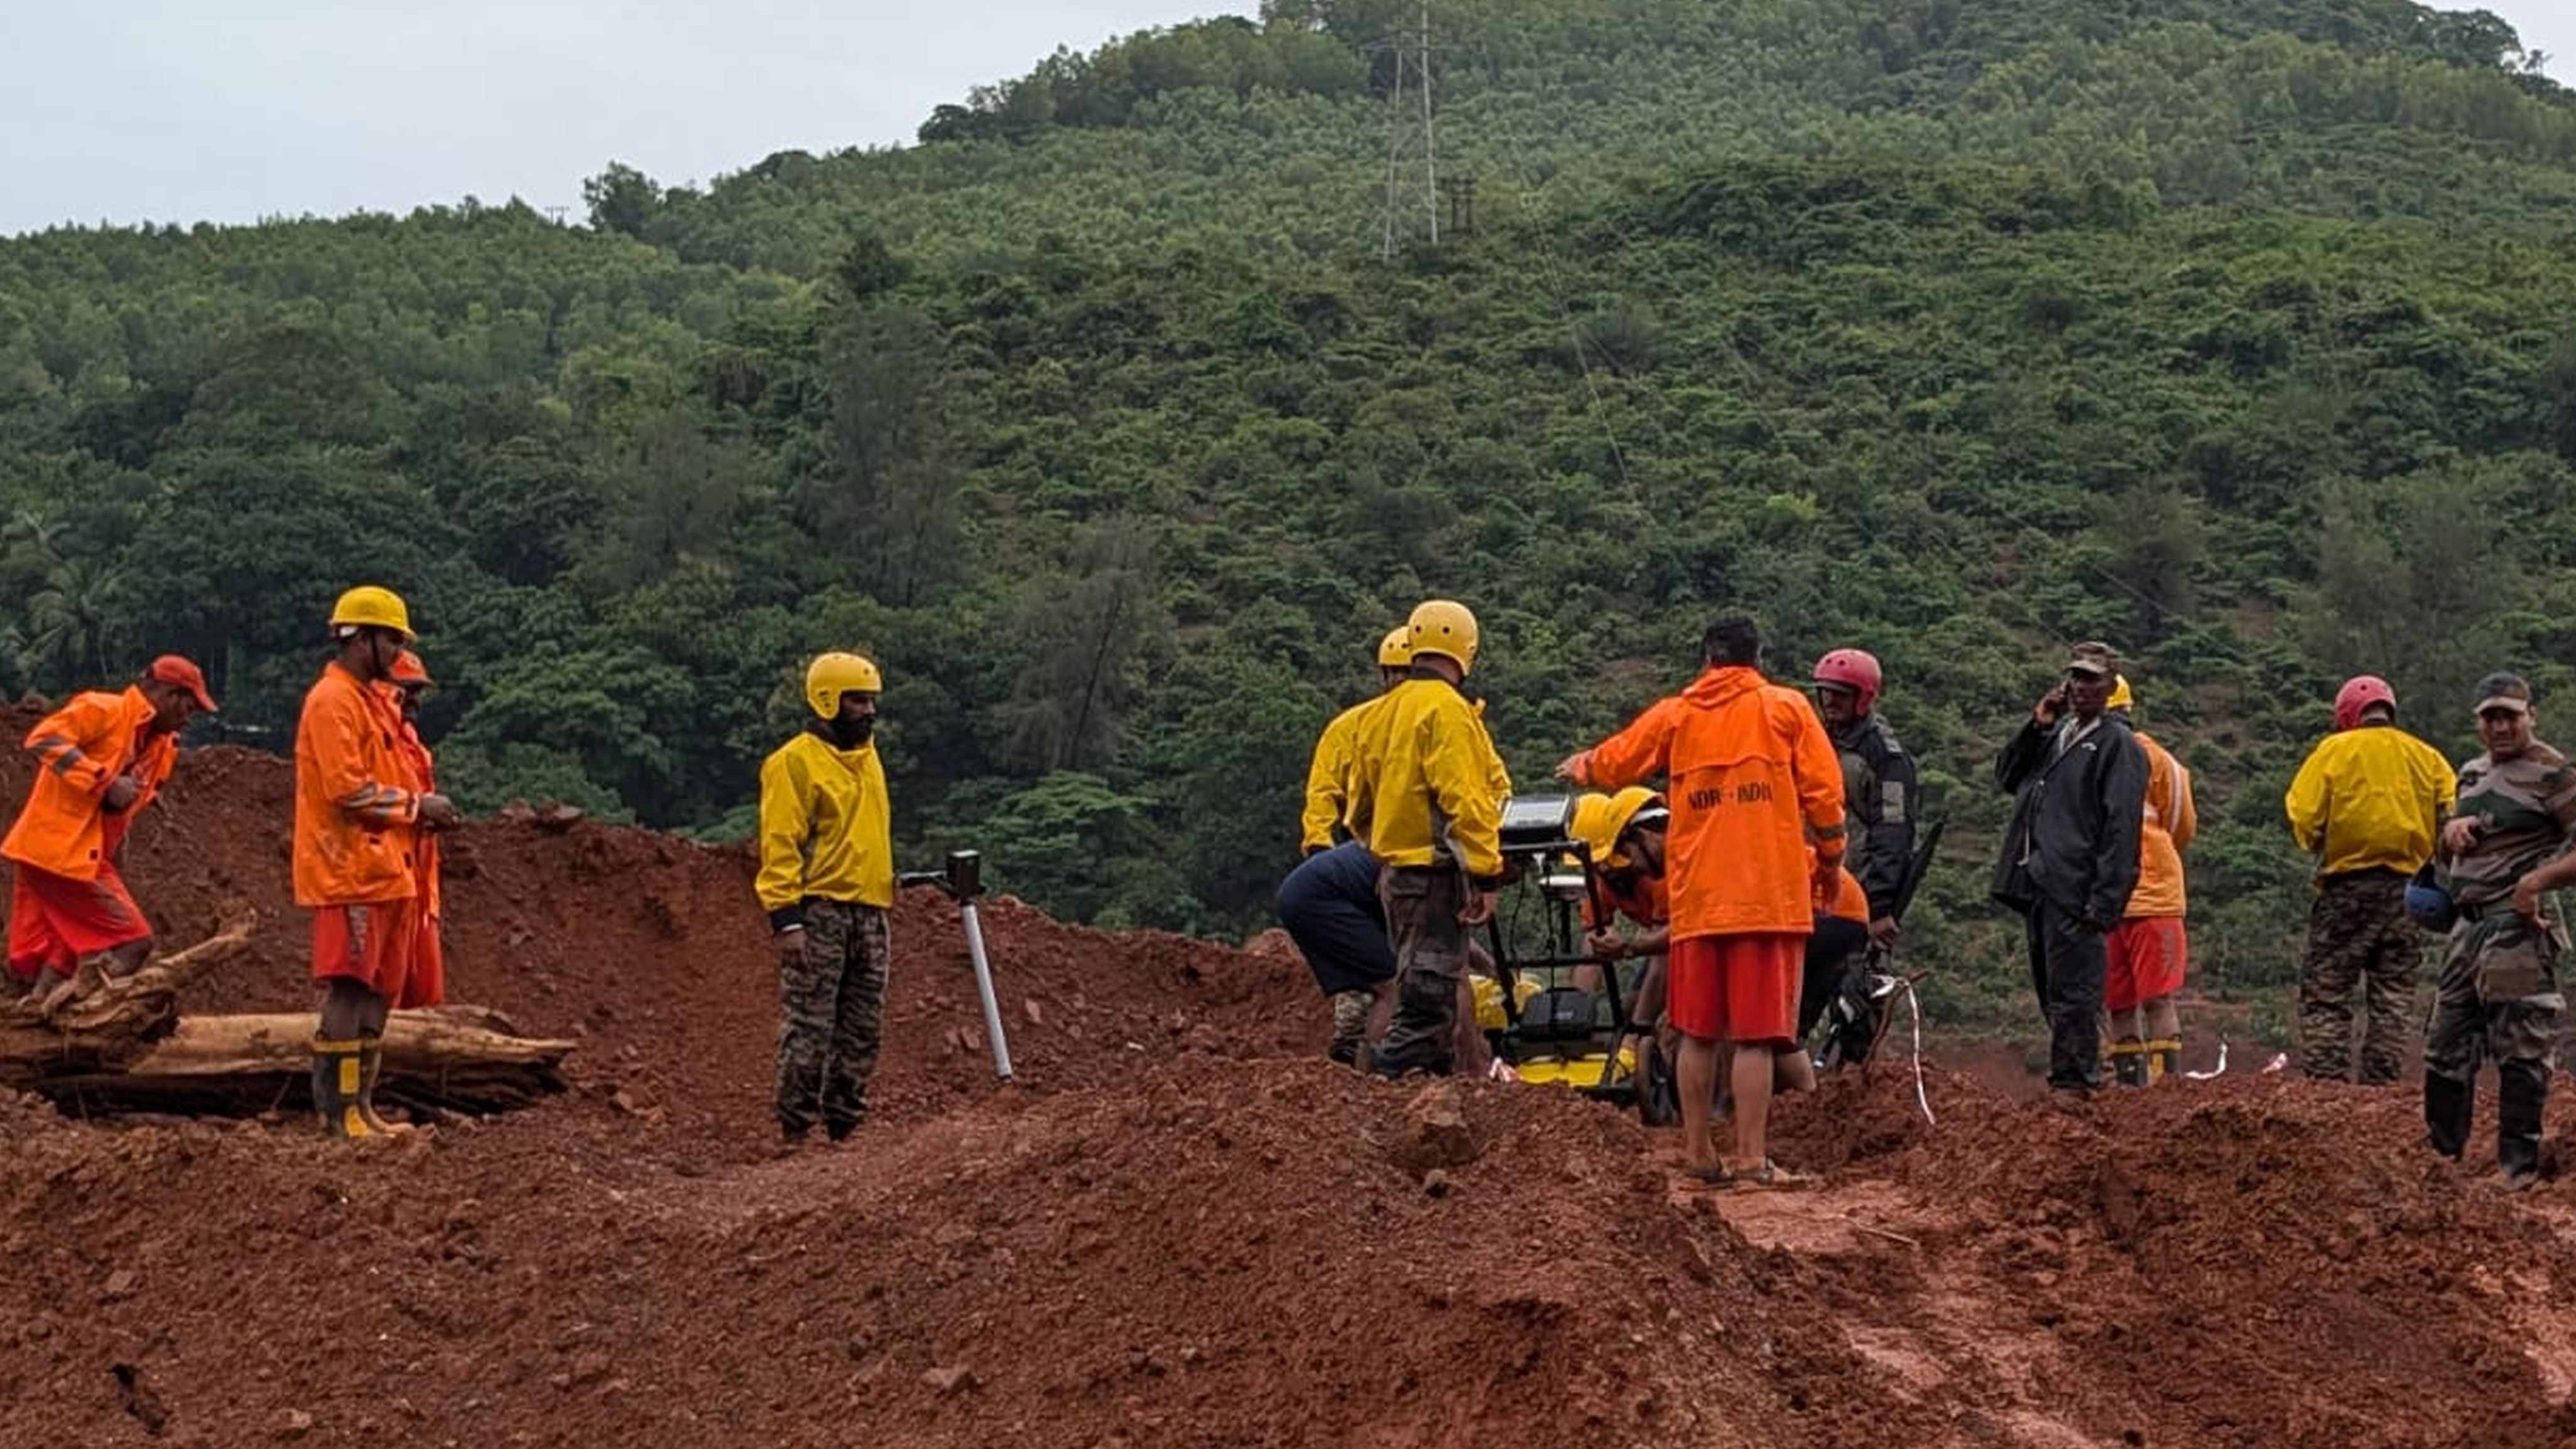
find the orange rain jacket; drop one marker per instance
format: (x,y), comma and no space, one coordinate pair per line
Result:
(353,810)
(83,747)
(1751,779)
(1427,782)
(421,776)
(2164,832)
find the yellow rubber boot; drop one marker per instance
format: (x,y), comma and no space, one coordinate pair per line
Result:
(337,1081)
(2164,1059)
(371,1062)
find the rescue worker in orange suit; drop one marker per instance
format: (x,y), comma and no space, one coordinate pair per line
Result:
(1430,789)
(1626,833)
(426,984)
(358,823)
(1328,905)
(1752,779)
(2148,952)
(102,758)
(1880,795)
(1625,836)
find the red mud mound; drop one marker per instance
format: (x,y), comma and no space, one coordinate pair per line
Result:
(1182,1228)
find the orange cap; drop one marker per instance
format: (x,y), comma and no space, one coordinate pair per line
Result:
(182,671)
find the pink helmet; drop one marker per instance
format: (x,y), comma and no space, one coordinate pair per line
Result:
(1853,670)
(2358,694)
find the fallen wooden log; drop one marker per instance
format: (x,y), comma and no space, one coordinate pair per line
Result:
(116,1022)
(447,1059)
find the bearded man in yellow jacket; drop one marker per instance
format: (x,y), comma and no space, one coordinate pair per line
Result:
(2149,950)
(826,880)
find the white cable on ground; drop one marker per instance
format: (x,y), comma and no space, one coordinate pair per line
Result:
(2218,1070)
(1914,1009)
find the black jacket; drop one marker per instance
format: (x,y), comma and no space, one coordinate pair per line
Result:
(2073,841)
(1880,802)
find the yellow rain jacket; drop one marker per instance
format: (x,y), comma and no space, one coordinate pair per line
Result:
(1427,773)
(826,830)
(1328,779)
(2370,797)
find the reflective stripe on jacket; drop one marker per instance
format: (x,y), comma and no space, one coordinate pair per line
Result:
(1751,780)
(79,749)
(826,829)
(353,807)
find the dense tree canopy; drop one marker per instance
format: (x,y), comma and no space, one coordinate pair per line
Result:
(2234,333)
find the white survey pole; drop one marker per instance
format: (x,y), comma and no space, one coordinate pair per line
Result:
(984,988)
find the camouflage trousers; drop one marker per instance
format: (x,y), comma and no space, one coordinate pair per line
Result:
(2360,942)
(831,1018)
(2497,998)
(1422,905)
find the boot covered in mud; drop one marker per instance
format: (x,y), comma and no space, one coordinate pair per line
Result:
(338,1077)
(371,1063)
(1350,1025)
(2446,1115)
(2522,1090)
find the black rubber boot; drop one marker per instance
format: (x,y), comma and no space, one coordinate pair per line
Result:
(2522,1089)
(337,1080)
(1423,1035)
(2446,1115)
(2129,1064)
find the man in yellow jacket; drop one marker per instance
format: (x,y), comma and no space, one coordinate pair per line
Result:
(2368,803)
(1427,795)
(1328,905)
(2149,950)
(826,880)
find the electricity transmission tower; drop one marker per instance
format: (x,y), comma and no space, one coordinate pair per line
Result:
(1412,163)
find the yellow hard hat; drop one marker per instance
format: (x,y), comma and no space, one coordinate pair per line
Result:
(832,675)
(2120,698)
(1444,627)
(370,606)
(1599,820)
(1396,650)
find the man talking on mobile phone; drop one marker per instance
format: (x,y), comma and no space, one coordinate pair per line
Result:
(2070,856)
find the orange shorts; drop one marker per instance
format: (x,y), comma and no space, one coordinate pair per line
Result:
(2147,956)
(373,945)
(427,983)
(55,920)
(1741,988)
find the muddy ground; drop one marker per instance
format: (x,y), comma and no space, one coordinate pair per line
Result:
(1182,1227)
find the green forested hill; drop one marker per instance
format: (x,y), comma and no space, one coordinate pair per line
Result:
(2237,334)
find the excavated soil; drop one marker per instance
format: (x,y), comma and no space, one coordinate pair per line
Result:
(1181,1227)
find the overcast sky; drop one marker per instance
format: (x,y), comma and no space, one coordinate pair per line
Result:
(230,110)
